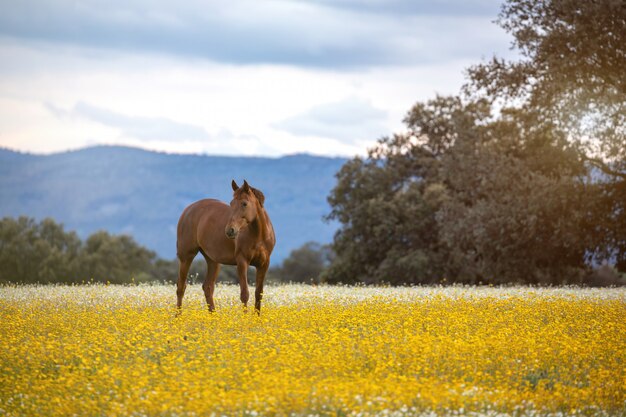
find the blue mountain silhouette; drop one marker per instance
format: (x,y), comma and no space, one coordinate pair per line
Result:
(142,193)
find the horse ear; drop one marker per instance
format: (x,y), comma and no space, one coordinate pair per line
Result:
(245,186)
(234,185)
(259,196)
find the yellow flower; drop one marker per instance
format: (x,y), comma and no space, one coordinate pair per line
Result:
(119,351)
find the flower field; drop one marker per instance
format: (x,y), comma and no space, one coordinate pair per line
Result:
(123,351)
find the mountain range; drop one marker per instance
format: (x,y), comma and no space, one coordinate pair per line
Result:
(142,193)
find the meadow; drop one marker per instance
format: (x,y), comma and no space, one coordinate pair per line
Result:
(102,350)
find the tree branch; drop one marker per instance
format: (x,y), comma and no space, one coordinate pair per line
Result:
(598,163)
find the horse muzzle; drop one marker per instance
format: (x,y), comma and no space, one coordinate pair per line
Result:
(231,233)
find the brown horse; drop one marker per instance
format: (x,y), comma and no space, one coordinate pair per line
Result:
(240,234)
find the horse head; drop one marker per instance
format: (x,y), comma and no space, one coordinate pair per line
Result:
(246,204)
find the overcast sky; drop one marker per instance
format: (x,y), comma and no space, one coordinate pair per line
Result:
(237,77)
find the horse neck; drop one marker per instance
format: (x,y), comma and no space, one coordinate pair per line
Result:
(260,224)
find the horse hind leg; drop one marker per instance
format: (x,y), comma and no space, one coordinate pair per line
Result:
(213,268)
(183,270)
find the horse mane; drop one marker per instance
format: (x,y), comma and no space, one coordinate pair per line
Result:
(259,195)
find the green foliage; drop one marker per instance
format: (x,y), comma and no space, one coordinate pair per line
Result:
(504,221)
(571,68)
(45,253)
(501,184)
(387,224)
(304,264)
(570,78)
(39,252)
(114,258)
(467,196)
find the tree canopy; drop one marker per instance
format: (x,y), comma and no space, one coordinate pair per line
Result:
(571,70)
(43,252)
(519,178)
(304,264)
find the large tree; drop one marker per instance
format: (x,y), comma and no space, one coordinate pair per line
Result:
(571,75)
(459,197)
(520,178)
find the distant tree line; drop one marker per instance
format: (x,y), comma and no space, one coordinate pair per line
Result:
(520,178)
(44,252)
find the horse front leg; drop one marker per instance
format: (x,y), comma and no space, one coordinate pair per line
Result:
(242,273)
(258,290)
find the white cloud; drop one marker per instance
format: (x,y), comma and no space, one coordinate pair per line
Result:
(350,120)
(236,78)
(143,128)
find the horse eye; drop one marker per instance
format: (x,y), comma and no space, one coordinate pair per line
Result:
(244,204)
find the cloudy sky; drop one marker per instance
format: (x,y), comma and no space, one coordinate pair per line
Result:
(237,77)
